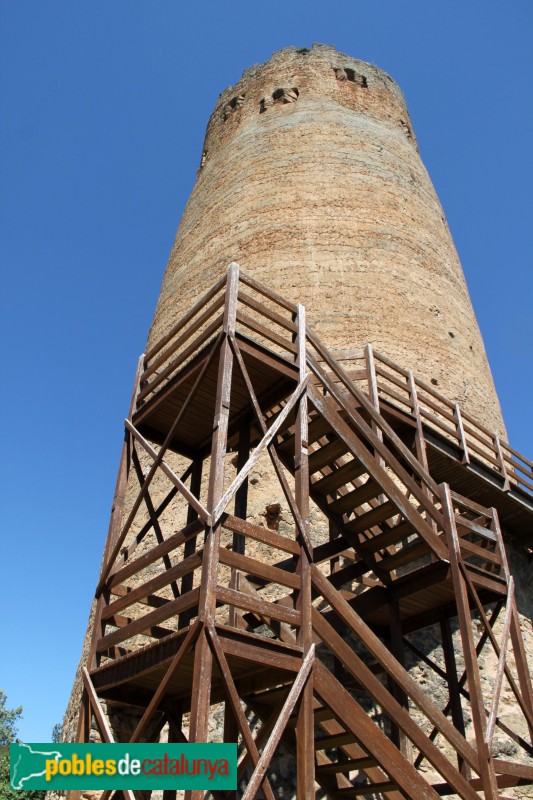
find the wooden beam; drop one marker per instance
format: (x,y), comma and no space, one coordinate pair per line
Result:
(487,773)
(279,726)
(234,700)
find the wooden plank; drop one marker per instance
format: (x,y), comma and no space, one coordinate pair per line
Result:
(148,620)
(166,354)
(487,773)
(385,360)
(183,321)
(262,607)
(326,454)
(461,433)
(272,449)
(273,316)
(172,543)
(467,502)
(234,699)
(402,678)
(186,645)
(259,534)
(420,440)
(334,547)
(279,726)
(265,357)
(259,650)
(187,582)
(349,502)
(338,477)
(276,298)
(139,592)
(180,486)
(265,441)
(304,722)
(391,536)
(350,713)
(373,517)
(269,573)
(500,672)
(479,530)
(468,548)
(183,356)
(352,765)
(267,333)
(388,486)
(363,790)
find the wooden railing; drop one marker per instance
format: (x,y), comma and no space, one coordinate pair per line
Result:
(261,314)
(388,384)
(269,320)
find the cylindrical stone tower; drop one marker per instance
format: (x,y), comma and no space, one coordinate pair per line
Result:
(311,180)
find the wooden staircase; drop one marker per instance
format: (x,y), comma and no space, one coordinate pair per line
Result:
(305,633)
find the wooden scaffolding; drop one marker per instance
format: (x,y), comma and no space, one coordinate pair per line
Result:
(301,635)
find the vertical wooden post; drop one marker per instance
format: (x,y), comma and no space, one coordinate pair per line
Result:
(203,657)
(524,677)
(420,442)
(240,510)
(373,392)
(190,545)
(305,764)
(488,775)
(396,648)
(501,460)
(461,433)
(454,694)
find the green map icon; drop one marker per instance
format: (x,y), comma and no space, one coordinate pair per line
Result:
(28,762)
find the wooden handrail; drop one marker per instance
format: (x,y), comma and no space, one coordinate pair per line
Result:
(437,411)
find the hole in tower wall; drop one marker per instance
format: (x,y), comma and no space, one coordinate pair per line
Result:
(406,129)
(285,95)
(279,97)
(347,74)
(234,104)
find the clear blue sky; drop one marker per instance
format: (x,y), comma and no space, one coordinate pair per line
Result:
(104,107)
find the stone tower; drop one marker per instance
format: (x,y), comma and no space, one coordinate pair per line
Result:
(388,484)
(311,180)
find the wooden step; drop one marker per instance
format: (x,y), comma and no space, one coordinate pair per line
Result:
(373,517)
(338,477)
(335,740)
(347,766)
(391,536)
(352,500)
(363,790)
(326,455)
(405,556)
(317,428)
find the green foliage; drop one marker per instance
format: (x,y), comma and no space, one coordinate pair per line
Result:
(8,733)
(303,51)
(8,719)
(56,732)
